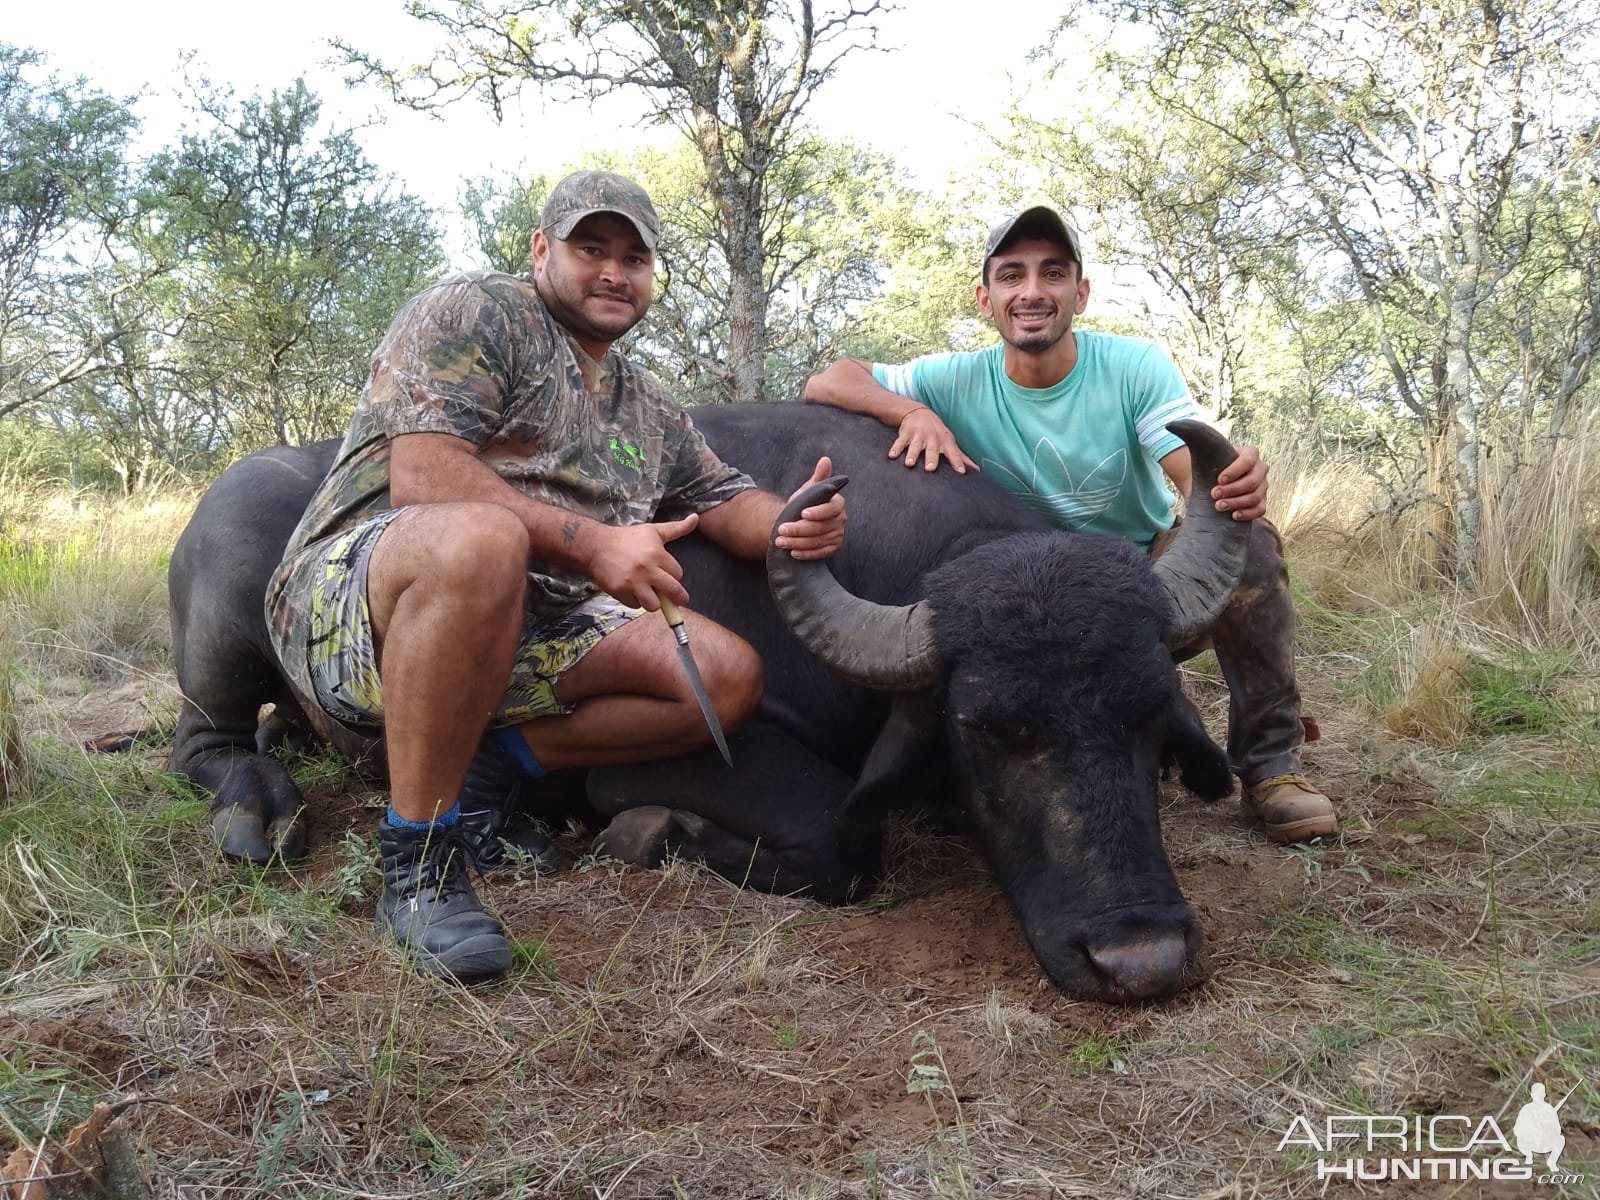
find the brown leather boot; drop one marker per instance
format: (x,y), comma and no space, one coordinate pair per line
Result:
(1291,809)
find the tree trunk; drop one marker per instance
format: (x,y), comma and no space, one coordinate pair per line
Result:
(1462,405)
(1439,524)
(747,314)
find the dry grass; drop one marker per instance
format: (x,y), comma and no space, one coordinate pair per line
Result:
(1431,701)
(666,1035)
(13,760)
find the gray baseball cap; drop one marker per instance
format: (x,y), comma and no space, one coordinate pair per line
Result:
(584,193)
(1038,221)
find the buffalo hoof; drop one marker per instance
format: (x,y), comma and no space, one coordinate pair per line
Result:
(241,834)
(637,836)
(1209,777)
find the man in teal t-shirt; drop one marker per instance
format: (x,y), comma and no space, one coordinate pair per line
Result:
(1074,423)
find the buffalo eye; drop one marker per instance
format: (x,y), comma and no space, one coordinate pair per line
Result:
(1009,731)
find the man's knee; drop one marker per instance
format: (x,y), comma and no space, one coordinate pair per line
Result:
(479,546)
(479,551)
(733,674)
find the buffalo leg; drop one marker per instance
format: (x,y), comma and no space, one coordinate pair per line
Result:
(776,822)
(256,807)
(1202,765)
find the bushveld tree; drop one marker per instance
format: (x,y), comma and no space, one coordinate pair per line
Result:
(734,76)
(933,244)
(1434,148)
(1191,208)
(61,152)
(293,254)
(225,294)
(502,216)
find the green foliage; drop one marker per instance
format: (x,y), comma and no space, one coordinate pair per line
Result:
(357,875)
(933,245)
(1551,794)
(503,217)
(927,1074)
(1184,203)
(224,295)
(41,1091)
(321,767)
(61,147)
(1359,234)
(291,254)
(532,956)
(85,592)
(735,82)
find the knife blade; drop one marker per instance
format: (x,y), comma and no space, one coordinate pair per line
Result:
(674,617)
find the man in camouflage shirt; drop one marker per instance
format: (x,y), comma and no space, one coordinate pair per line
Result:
(497,517)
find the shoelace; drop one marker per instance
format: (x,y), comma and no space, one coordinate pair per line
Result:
(433,869)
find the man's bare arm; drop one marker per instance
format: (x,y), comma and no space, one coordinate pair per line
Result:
(741,525)
(848,384)
(1241,485)
(919,433)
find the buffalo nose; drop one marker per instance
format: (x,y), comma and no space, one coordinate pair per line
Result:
(1147,967)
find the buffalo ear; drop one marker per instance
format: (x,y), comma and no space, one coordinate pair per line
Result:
(908,758)
(908,766)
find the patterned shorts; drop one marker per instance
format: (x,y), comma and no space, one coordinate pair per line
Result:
(318,615)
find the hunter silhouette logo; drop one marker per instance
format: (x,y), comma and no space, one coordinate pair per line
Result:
(1538,1128)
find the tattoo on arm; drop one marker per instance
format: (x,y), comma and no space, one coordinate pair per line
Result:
(570,528)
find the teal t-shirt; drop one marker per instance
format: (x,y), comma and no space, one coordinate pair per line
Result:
(1085,452)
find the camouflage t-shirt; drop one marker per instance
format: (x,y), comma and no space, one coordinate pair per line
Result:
(479,356)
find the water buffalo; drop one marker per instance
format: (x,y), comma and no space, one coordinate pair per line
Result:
(956,651)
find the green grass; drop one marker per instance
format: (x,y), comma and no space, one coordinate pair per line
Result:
(86,593)
(1519,695)
(533,957)
(1542,791)
(1101,1052)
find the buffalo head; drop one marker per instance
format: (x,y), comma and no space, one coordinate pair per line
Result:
(1048,657)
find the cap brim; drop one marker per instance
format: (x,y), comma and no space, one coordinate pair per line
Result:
(1028,219)
(564,227)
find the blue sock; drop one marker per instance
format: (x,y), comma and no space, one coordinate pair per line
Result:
(443,821)
(514,744)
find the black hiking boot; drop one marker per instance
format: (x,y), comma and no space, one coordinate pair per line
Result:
(429,908)
(491,824)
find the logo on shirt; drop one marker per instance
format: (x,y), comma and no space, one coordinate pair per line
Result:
(1053,491)
(629,457)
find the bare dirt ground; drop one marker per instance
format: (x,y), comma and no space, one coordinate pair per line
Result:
(667,1035)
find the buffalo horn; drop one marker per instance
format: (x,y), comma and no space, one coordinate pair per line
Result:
(886,647)
(1203,565)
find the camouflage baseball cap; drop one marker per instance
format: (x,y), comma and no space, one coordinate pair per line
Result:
(585,193)
(1039,221)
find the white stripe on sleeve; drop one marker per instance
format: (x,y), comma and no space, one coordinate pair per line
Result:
(897,378)
(1152,427)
